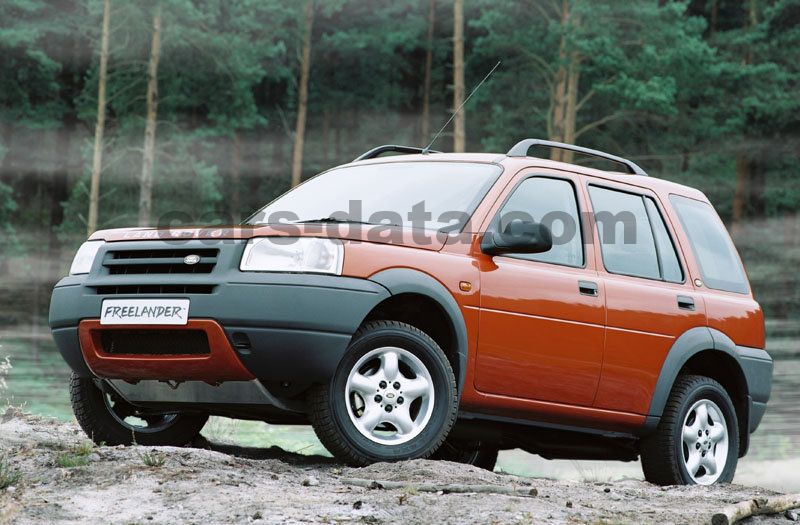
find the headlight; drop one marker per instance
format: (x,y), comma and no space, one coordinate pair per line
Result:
(82,263)
(293,254)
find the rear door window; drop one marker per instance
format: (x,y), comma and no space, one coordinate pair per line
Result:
(626,238)
(711,244)
(634,237)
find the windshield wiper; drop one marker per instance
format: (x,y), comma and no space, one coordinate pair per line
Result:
(331,220)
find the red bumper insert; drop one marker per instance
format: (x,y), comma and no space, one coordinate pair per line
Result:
(219,364)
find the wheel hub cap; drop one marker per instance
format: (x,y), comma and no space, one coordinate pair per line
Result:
(389,395)
(705,442)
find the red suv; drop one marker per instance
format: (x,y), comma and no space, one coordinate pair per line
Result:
(433,305)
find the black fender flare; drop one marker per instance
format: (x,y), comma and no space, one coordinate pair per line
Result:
(406,280)
(689,344)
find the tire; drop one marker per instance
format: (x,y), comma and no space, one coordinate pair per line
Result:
(671,458)
(103,417)
(472,453)
(360,428)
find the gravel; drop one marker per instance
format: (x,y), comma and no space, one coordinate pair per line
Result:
(240,485)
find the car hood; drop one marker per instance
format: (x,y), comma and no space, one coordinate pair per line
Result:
(381,234)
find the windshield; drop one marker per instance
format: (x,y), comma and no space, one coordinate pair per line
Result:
(427,195)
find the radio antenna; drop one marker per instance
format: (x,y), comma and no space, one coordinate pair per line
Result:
(475,90)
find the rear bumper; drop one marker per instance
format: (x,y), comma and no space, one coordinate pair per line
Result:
(273,327)
(757,367)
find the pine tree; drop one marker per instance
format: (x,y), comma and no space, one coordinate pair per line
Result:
(148,155)
(97,158)
(302,98)
(459,122)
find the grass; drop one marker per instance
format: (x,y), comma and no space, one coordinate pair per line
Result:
(71,461)
(78,456)
(84,449)
(154,458)
(406,494)
(8,475)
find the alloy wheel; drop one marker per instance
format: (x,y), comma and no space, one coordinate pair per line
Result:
(705,442)
(390,395)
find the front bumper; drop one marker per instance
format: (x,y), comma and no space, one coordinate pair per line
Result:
(279,326)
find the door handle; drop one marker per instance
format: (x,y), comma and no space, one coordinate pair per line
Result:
(587,288)
(685,302)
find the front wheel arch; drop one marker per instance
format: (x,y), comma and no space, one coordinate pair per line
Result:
(401,281)
(331,413)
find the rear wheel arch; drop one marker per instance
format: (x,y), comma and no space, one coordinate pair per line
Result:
(435,312)
(707,352)
(690,448)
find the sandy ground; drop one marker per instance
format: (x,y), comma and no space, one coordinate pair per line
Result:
(782,475)
(234,484)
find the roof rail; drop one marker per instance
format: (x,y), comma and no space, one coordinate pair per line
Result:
(521,148)
(386,148)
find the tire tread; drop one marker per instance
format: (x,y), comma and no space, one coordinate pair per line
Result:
(93,417)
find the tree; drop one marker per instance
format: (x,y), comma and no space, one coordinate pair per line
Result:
(302,98)
(590,83)
(459,122)
(30,94)
(8,237)
(146,181)
(564,100)
(97,158)
(742,161)
(426,93)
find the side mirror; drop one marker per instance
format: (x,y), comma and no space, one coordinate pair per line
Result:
(518,237)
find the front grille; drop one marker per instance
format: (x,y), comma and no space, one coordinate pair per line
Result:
(178,289)
(159,261)
(155,342)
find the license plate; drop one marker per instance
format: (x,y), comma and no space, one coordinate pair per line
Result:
(145,311)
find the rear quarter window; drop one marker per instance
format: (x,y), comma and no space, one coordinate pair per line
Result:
(712,246)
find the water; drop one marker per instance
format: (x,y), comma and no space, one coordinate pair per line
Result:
(38,382)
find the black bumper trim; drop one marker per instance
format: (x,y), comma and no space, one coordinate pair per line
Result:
(290,355)
(298,326)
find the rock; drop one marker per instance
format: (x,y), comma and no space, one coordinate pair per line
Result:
(11,489)
(122,485)
(792,515)
(10,414)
